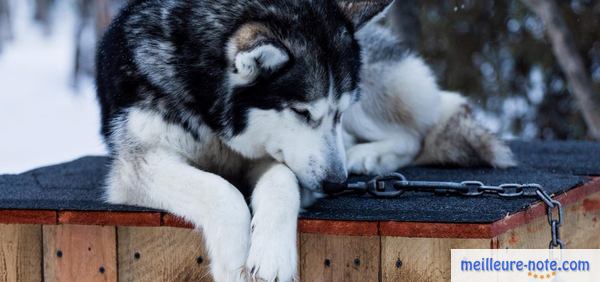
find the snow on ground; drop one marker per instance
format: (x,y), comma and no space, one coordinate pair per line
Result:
(43,119)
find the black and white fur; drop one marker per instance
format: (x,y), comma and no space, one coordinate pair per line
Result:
(403,116)
(207,102)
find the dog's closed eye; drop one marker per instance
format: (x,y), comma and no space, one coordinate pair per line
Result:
(303,113)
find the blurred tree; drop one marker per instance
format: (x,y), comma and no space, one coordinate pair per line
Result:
(93,18)
(568,57)
(84,56)
(496,53)
(104,14)
(5,22)
(42,13)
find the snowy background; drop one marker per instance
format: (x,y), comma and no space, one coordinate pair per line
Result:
(44,118)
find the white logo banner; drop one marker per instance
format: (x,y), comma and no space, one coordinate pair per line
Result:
(517,265)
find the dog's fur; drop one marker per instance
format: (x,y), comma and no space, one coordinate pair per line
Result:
(204,102)
(404,118)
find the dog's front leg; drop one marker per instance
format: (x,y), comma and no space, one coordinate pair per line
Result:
(275,205)
(163,180)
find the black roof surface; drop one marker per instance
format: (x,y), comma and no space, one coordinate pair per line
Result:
(558,166)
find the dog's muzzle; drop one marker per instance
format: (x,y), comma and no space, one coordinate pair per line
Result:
(334,181)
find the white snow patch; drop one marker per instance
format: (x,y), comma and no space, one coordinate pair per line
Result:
(43,119)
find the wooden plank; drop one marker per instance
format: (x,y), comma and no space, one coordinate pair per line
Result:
(579,231)
(421,259)
(339,258)
(162,254)
(20,252)
(79,253)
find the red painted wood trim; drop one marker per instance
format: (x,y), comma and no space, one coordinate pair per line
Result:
(28,217)
(175,221)
(539,209)
(109,218)
(338,227)
(332,227)
(435,230)
(579,193)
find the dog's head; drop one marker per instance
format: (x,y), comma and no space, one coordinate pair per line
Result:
(293,70)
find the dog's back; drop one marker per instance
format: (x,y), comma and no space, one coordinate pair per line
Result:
(404,117)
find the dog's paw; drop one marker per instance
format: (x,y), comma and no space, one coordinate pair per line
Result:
(375,159)
(273,255)
(230,266)
(239,275)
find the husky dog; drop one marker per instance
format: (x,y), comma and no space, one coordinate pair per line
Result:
(205,103)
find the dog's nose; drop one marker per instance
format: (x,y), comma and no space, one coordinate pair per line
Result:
(334,185)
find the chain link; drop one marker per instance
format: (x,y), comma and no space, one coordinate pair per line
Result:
(395,184)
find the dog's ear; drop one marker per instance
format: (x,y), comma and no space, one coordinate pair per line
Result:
(254,52)
(362,11)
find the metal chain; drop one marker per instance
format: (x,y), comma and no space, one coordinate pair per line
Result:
(396,184)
